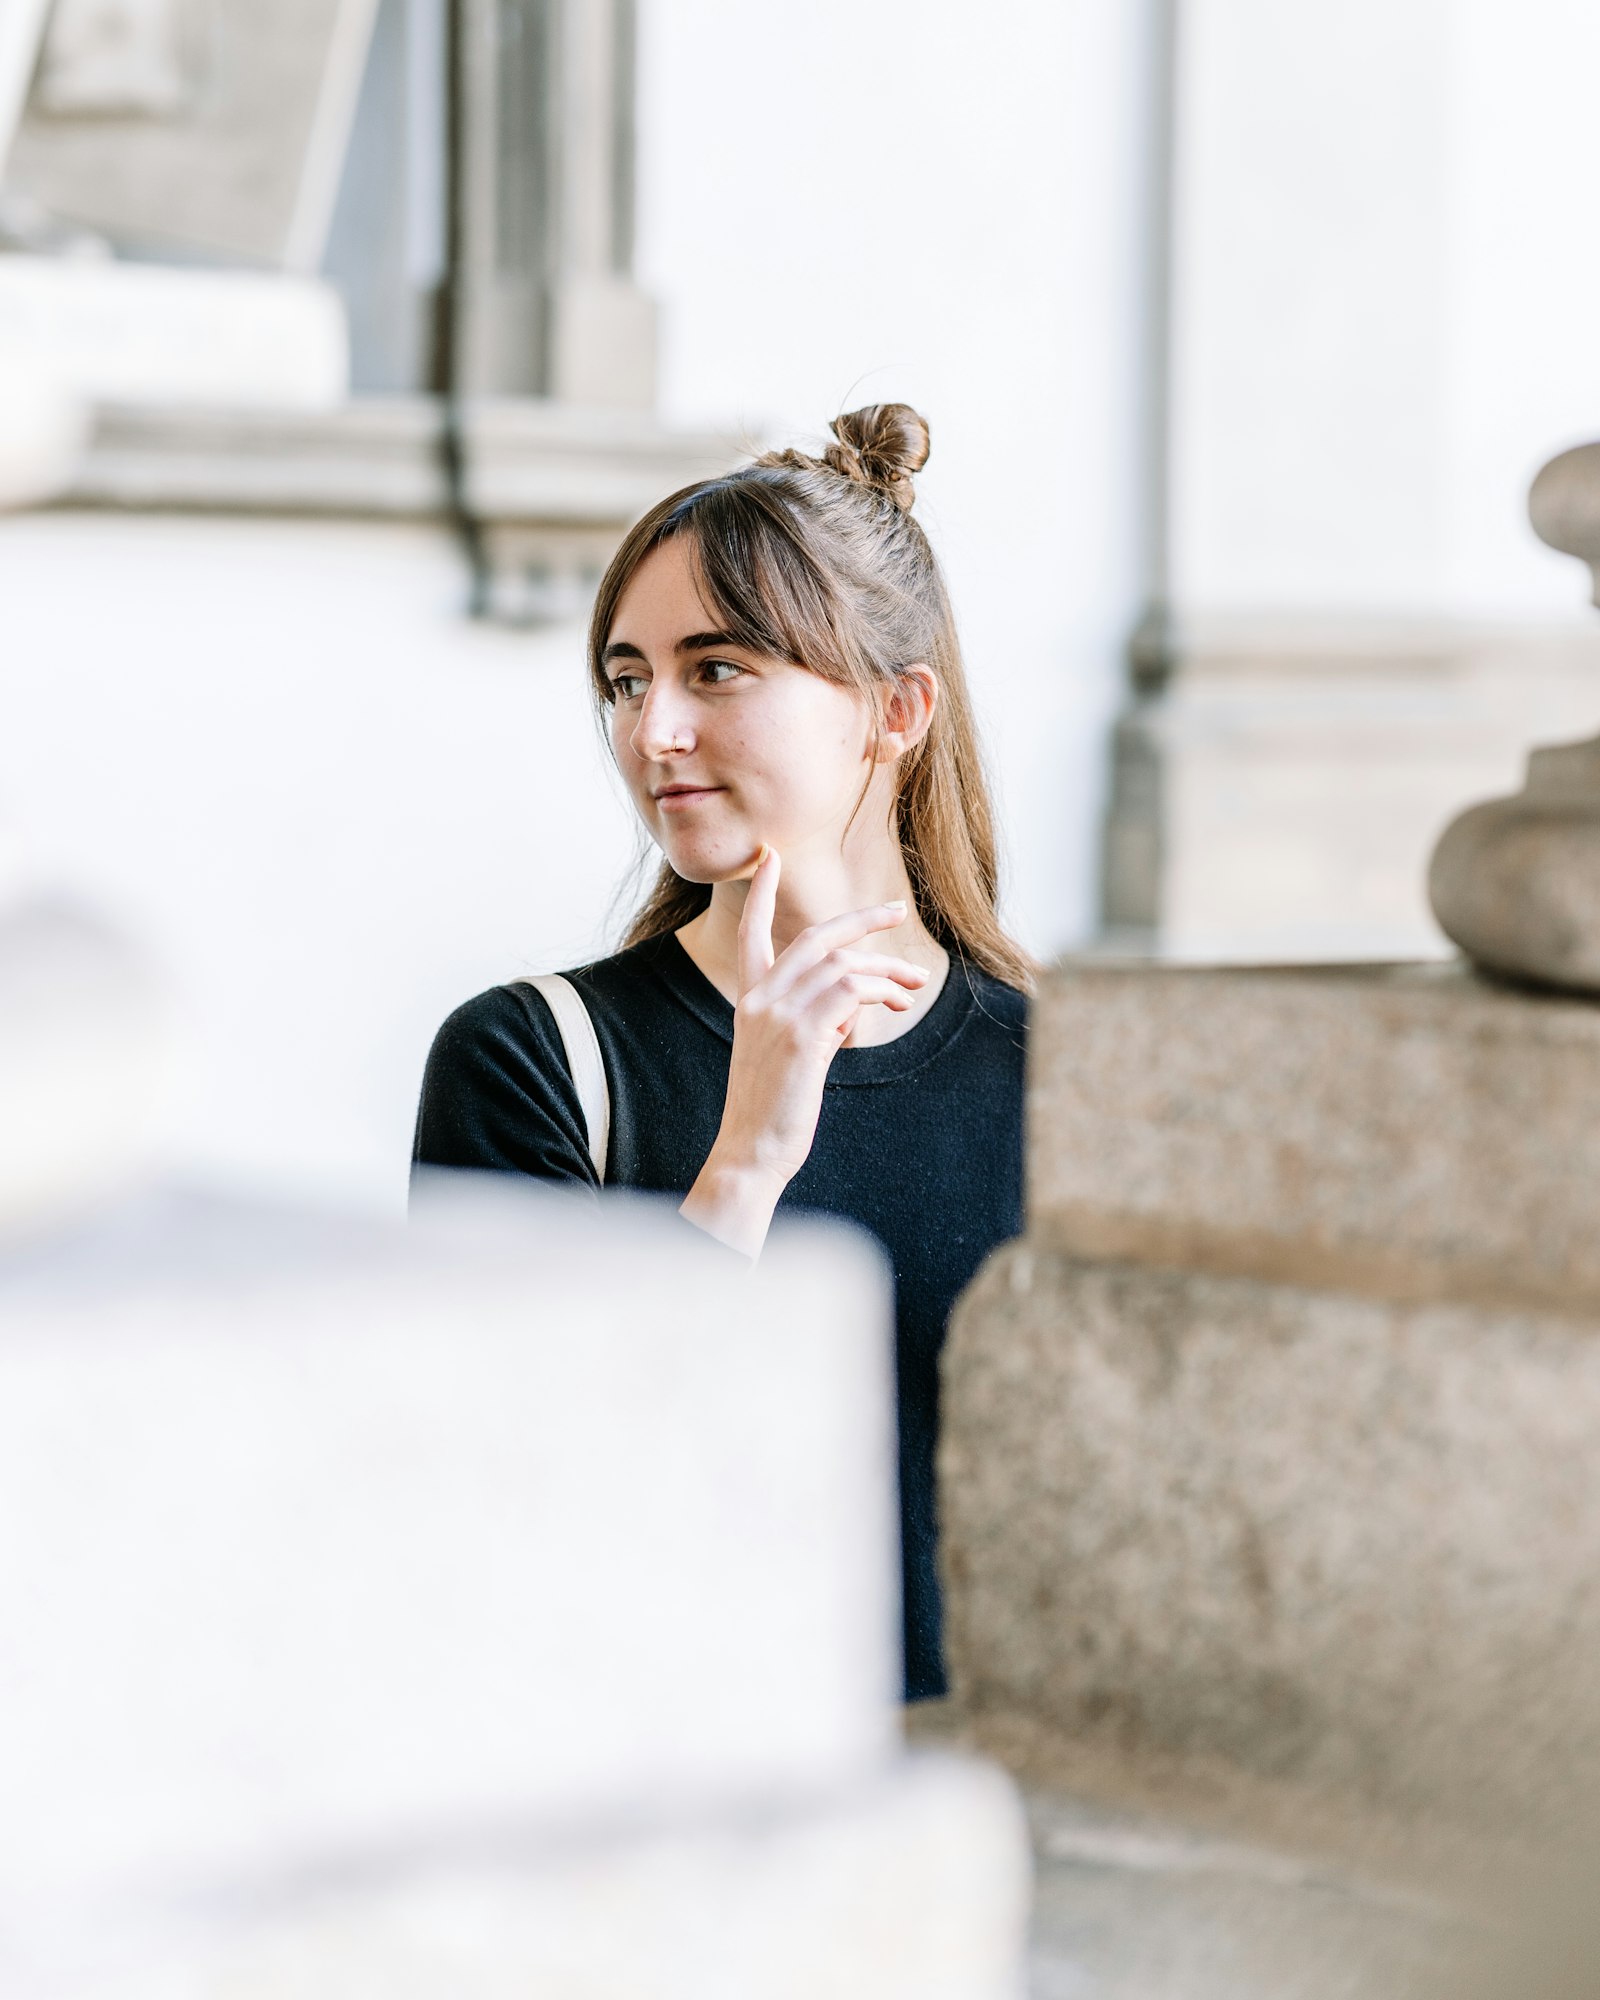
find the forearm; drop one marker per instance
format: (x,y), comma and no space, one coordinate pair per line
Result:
(733,1199)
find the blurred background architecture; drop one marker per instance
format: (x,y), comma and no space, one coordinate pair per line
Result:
(1241,330)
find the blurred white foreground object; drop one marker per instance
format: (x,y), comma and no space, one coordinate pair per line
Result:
(907,1886)
(43,422)
(502,1605)
(141,333)
(83,1061)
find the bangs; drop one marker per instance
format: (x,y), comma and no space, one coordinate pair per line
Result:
(753,569)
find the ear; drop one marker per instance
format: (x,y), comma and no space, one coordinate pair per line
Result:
(909,702)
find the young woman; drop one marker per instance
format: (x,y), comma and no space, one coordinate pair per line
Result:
(816,1007)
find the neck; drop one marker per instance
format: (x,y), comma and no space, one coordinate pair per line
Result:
(813,888)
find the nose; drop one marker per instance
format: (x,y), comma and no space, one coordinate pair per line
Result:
(664,724)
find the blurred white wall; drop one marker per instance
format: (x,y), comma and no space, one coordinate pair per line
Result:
(920,201)
(1386,315)
(329,806)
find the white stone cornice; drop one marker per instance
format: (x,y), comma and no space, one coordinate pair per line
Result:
(528,463)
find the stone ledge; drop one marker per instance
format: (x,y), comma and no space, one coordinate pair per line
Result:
(1287,647)
(1406,1132)
(529,463)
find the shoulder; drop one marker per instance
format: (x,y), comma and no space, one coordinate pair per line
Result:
(515,1018)
(640,972)
(502,1046)
(519,1000)
(1002,1008)
(507,1013)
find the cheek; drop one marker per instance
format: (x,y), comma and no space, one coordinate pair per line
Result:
(805,773)
(629,764)
(830,741)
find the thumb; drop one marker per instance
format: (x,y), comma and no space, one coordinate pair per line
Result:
(755,926)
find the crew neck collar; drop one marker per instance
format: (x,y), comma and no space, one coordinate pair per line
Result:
(880,1062)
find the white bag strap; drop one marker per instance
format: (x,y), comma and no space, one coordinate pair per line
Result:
(584,1061)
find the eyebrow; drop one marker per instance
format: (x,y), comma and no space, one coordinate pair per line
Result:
(619,649)
(697,642)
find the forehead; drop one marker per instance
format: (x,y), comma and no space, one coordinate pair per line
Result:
(661,600)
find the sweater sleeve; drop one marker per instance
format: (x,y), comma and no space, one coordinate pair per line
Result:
(497,1094)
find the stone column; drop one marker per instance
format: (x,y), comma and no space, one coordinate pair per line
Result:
(547,303)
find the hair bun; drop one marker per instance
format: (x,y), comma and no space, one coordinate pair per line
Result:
(881,445)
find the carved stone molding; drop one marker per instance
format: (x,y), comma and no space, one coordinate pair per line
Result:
(245,168)
(551,488)
(1564,506)
(1516,881)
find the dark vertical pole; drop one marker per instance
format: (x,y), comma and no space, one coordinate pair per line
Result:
(1134,831)
(1150,653)
(455,446)
(625,169)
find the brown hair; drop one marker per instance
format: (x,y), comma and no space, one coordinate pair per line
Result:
(818,562)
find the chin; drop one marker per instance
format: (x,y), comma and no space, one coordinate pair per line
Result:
(697,865)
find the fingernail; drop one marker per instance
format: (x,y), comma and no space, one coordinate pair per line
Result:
(761,858)
(899,903)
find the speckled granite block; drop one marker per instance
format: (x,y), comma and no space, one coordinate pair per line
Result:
(1343,1539)
(1409,1132)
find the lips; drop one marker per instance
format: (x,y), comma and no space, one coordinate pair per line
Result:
(676,797)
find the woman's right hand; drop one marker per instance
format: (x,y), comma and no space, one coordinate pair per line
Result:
(794,1013)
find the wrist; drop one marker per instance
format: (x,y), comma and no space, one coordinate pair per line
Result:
(733,1198)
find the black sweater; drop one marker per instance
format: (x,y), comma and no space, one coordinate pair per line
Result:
(919,1141)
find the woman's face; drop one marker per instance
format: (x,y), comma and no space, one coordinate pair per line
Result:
(723,748)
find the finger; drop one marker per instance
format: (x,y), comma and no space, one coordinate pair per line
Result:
(837,998)
(814,944)
(755,926)
(877,964)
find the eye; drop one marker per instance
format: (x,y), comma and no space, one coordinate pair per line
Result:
(627,687)
(720,672)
